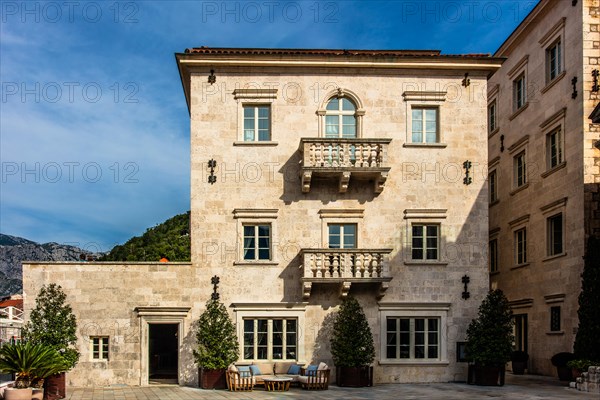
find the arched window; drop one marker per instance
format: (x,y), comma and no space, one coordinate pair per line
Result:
(340,118)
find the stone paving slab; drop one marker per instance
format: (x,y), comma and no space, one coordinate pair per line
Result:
(527,387)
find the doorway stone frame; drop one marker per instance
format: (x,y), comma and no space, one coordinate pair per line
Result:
(159,315)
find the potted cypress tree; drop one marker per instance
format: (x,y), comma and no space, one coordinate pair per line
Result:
(217,343)
(352,345)
(489,339)
(53,324)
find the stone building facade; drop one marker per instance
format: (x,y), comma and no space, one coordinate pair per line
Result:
(315,174)
(544,171)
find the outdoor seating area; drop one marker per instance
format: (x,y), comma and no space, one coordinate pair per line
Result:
(277,376)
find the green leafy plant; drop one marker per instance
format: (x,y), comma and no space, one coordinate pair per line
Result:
(581,365)
(489,336)
(352,341)
(53,324)
(30,362)
(587,339)
(216,338)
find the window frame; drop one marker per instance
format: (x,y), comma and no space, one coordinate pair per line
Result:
(519,92)
(520,169)
(343,226)
(340,113)
(556,44)
(493,255)
(322,112)
(558,145)
(256,237)
(99,348)
(493,186)
(555,320)
(255,216)
(550,239)
(270,338)
(492,117)
(425,236)
(256,119)
(412,332)
(423,109)
(520,246)
(415,310)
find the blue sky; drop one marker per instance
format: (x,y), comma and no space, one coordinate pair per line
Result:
(94,129)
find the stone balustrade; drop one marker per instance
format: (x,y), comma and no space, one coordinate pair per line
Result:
(345,266)
(341,158)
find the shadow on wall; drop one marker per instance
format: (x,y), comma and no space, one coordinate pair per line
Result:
(189,372)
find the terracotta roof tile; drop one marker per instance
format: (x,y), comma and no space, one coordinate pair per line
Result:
(14,303)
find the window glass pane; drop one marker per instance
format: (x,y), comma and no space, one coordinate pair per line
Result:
(417,126)
(432,254)
(249,112)
(417,254)
(391,324)
(263,124)
(334,242)
(432,230)
(263,230)
(334,229)
(264,254)
(417,230)
(333,104)
(432,352)
(347,105)
(249,124)
(419,324)
(249,135)
(264,135)
(263,112)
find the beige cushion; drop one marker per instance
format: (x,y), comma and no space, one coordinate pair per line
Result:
(304,379)
(282,367)
(322,366)
(265,368)
(232,368)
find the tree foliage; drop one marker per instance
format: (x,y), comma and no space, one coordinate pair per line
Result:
(53,324)
(490,335)
(352,341)
(170,239)
(587,340)
(215,337)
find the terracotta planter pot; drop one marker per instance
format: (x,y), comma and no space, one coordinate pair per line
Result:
(18,394)
(575,373)
(354,376)
(38,394)
(212,378)
(564,373)
(55,387)
(488,375)
(518,367)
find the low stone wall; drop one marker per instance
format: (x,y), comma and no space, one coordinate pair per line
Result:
(589,381)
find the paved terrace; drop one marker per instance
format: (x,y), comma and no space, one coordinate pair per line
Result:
(527,387)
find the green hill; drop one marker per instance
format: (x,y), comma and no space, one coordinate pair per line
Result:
(171,239)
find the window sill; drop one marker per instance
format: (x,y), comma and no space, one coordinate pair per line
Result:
(555,333)
(519,266)
(519,111)
(517,190)
(554,169)
(553,82)
(257,143)
(550,258)
(255,263)
(426,145)
(429,363)
(492,133)
(424,262)
(493,203)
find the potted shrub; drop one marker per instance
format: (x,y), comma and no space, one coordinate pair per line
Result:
(560,360)
(53,324)
(579,366)
(352,345)
(31,364)
(489,340)
(217,345)
(519,360)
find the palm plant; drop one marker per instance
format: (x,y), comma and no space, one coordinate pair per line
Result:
(30,361)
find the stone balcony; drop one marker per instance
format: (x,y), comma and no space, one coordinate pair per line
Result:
(341,159)
(344,267)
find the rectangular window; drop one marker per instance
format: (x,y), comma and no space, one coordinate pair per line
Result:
(100,348)
(520,170)
(493,255)
(412,338)
(553,61)
(270,339)
(492,117)
(520,332)
(554,151)
(493,182)
(519,92)
(257,242)
(521,246)
(425,242)
(342,236)
(257,123)
(555,319)
(555,234)
(425,125)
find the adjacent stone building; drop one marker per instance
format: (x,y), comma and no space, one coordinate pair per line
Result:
(315,174)
(544,171)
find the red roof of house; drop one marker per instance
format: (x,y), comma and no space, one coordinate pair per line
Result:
(12,303)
